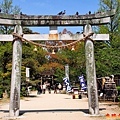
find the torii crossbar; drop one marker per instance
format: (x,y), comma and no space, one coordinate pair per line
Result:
(87,21)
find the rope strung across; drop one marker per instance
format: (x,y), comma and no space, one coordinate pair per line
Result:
(85,37)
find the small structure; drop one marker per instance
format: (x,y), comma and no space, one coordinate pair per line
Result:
(107,88)
(110,91)
(47,75)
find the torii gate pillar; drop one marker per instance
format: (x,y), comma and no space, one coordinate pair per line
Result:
(91,74)
(16,75)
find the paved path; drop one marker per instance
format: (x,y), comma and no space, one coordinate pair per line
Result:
(53,107)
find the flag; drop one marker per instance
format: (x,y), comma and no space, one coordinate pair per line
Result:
(82,83)
(67,83)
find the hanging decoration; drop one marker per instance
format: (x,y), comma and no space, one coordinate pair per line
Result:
(73,43)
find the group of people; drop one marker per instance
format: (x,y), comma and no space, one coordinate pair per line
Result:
(46,86)
(42,88)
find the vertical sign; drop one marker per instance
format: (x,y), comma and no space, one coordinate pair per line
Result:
(67,71)
(27,72)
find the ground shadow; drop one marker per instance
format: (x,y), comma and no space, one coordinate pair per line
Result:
(86,111)
(30,96)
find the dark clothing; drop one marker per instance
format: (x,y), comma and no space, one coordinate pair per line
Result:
(55,88)
(49,88)
(39,89)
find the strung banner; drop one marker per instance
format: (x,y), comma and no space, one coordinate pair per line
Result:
(67,83)
(82,83)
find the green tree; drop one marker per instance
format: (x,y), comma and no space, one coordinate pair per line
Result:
(6,47)
(8,8)
(107,53)
(75,59)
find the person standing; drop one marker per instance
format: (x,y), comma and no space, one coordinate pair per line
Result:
(55,88)
(44,88)
(39,90)
(49,88)
(59,87)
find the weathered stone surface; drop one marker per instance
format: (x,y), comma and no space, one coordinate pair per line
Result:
(16,75)
(91,74)
(51,20)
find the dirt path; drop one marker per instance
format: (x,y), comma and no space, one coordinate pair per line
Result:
(57,107)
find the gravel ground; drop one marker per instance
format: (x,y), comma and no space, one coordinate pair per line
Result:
(58,107)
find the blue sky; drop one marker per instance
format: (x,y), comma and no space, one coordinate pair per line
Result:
(52,7)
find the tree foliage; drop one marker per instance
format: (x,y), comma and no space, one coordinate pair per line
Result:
(8,8)
(107,53)
(6,47)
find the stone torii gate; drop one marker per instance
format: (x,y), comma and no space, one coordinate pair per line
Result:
(87,21)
